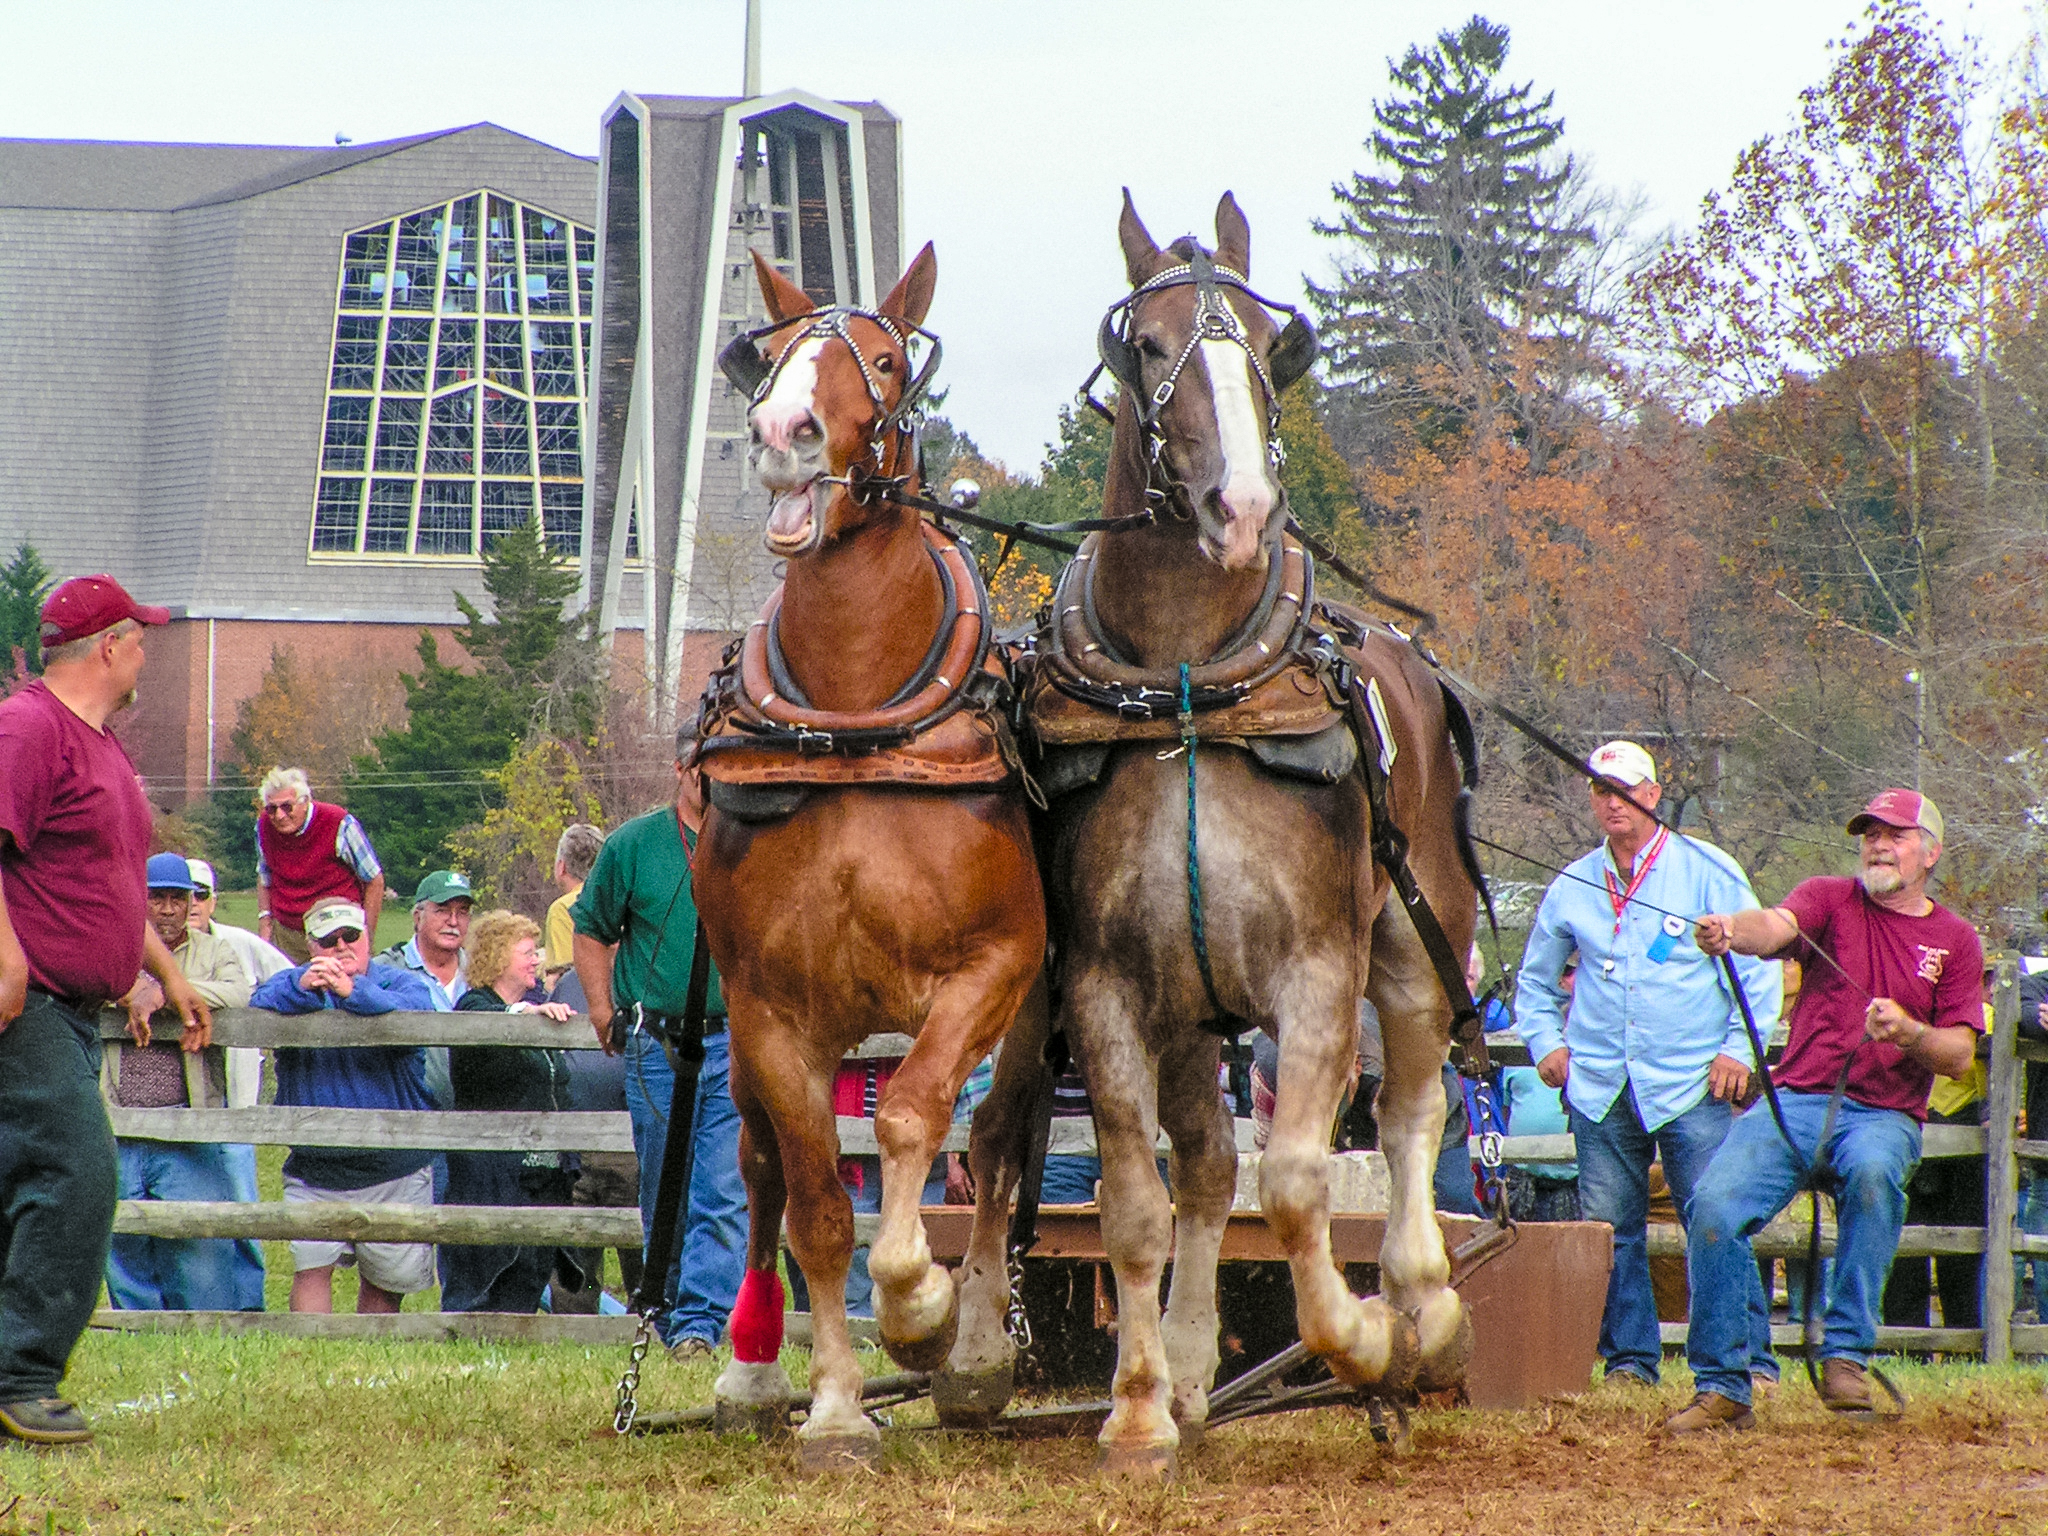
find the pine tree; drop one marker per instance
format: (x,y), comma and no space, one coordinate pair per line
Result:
(1459,266)
(24,582)
(534,674)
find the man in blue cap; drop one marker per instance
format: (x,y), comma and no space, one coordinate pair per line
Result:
(162,1273)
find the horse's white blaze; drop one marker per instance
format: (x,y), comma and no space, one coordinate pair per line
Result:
(792,401)
(1248,491)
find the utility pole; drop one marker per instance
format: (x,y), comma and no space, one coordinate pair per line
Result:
(752,85)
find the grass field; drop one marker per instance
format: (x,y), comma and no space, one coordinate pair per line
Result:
(253,1433)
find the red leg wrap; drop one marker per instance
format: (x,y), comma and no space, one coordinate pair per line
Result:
(757,1318)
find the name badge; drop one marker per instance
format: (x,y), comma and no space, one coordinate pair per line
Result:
(1665,942)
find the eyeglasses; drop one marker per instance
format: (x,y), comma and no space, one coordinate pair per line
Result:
(279,807)
(202,893)
(338,937)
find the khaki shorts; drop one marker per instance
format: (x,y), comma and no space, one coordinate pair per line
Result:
(401,1268)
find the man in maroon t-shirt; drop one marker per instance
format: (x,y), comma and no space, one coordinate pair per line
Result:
(1893,997)
(74,932)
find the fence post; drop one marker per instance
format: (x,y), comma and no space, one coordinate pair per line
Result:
(2001,1168)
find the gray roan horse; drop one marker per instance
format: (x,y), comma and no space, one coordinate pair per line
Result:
(1299,924)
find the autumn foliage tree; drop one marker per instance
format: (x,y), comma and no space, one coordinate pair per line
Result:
(1853,318)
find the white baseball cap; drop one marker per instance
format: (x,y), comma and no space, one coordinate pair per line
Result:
(202,875)
(1625,763)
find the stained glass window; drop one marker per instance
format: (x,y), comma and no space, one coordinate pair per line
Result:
(458,384)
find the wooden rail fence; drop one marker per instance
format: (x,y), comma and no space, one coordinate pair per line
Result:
(583,1226)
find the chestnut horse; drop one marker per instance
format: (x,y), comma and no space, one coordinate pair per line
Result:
(1297,917)
(869,907)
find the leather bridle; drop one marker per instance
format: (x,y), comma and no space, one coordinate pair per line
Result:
(1292,354)
(753,373)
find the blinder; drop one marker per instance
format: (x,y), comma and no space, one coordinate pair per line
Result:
(1294,352)
(753,372)
(745,364)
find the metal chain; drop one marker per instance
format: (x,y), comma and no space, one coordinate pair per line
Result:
(626,1409)
(1015,1321)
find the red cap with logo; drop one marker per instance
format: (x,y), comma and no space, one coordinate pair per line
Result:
(1900,808)
(85,605)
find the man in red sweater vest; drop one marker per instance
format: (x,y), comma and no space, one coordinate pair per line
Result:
(306,851)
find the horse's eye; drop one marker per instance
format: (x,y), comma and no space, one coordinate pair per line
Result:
(1150,347)
(885,364)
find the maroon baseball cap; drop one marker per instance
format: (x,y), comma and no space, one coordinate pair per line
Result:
(85,605)
(1900,808)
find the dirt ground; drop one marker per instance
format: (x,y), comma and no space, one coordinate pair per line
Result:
(204,1433)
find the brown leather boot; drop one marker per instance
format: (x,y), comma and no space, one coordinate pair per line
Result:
(1710,1410)
(1845,1386)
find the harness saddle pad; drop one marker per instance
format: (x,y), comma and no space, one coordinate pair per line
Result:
(966,749)
(1292,703)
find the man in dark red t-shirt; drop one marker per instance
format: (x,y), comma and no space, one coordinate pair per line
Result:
(74,932)
(1893,996)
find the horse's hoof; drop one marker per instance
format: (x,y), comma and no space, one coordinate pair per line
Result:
(1192,1433)
(1138,1463)
(973,1399)
(1444,1369)
(751,1398)
(928,1353)
(1404,1355)
(823,1455)
(1404,1351)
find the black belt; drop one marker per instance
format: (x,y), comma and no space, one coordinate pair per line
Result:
(668,1027)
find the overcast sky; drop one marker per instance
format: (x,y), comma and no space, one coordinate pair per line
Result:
(1022,118)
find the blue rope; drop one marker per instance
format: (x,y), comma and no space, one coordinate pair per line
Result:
(1224,1016)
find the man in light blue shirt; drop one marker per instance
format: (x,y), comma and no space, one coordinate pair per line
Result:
(1649,1045)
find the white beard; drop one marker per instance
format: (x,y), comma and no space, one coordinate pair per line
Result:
(1882,879)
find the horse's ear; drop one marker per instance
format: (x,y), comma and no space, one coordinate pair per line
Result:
(784,299)
(1141,251)
(1233,237)
(911,298)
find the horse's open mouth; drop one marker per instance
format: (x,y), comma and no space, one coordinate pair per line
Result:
(796,522)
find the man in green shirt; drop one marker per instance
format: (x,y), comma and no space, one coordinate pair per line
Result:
(636,924)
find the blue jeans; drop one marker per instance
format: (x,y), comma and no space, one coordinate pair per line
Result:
(1873,1153)
(196,1274)
(2033,1220)
(1614,1186)
(1452,1183)
(704,1278)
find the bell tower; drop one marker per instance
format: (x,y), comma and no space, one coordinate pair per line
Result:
(689,188)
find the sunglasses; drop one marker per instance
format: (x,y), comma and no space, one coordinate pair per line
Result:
(284,809)
(338,937)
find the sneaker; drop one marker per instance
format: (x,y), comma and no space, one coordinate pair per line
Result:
(1710,1410)
(690,1348)
(1844,1386)
(44,1421)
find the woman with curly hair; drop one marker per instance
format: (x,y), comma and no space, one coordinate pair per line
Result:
(504,959)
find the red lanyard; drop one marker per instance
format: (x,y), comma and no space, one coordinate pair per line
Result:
(1615,894)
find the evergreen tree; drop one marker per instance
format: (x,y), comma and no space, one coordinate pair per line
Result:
(534,672)
(1459,267)
(24,582)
